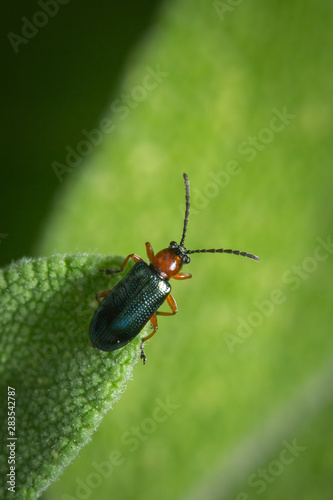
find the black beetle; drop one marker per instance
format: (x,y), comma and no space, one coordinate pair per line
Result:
(136,298)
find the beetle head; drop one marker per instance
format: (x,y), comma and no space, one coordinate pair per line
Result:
(181,251)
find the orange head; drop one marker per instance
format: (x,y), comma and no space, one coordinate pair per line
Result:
(169,261)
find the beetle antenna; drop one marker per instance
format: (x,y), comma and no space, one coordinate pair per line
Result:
(187,209)
(223,250)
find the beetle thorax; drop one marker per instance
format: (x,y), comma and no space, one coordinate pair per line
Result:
(167,263)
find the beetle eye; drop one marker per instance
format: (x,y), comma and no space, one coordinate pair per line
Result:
(173,244)
(187,260)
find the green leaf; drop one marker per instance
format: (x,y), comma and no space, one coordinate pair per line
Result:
(62,385)
(249,339)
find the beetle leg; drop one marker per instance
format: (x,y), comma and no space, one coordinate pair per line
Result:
(173,306)
(132,256)
(182,276)
(101,295)
(142,355)
(150,252)
(153,321)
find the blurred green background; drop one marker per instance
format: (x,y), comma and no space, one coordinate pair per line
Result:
(235,401)
(56,85)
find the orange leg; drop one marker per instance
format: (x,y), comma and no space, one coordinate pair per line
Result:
(132,256)
(173,306)
(182,276)
(101,295)
(150,252)
(153,321)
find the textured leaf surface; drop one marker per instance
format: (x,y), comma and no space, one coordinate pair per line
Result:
(62,385)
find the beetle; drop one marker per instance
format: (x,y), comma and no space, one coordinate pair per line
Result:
(135,300)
